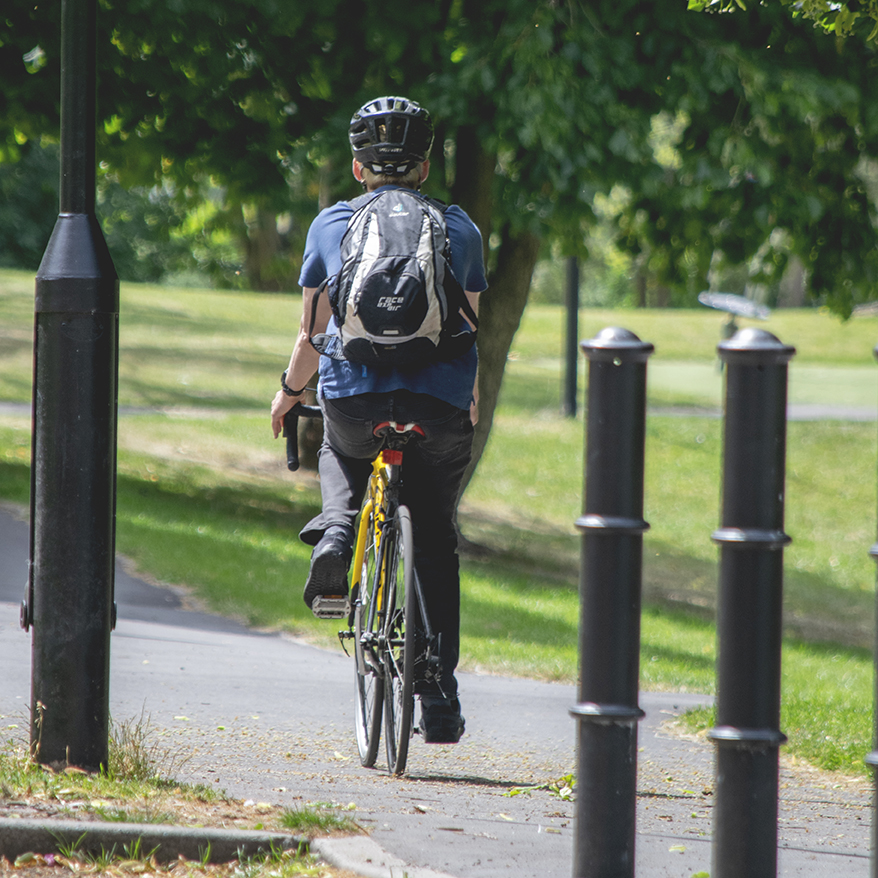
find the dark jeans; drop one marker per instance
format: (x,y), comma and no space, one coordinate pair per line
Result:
(433,468)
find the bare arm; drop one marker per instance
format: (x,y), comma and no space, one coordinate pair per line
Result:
(303,360)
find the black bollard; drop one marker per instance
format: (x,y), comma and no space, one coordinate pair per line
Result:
(872,758)
(749,606)
(70,592)
(610,592)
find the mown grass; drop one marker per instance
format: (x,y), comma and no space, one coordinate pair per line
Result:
(204,499)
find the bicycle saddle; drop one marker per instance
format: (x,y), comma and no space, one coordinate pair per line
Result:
(397,430)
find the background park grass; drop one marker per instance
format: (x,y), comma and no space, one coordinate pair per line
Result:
(206,502)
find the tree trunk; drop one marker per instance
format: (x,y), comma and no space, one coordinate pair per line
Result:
(500,310)
(640,286)
(262,246)
(502,304)
(474,180)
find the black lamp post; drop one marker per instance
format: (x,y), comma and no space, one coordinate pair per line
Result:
(73,469)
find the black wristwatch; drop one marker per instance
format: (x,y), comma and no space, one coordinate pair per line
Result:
(288,390)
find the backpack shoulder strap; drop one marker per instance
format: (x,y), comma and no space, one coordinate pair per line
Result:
(468,311)
(314,300)
(324,343)
(361,201)
(441,206)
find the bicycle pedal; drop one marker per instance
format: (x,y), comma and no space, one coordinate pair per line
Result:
(331,607)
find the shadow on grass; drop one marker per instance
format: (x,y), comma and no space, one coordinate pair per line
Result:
(528,390)
(518,622)
(815,609)
(698,664)
(236,548)
(152,393)
(11,345)
(135,313)
(15,482)
(252,505)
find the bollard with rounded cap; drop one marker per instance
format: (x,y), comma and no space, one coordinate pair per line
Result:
(749,605)
(612,525)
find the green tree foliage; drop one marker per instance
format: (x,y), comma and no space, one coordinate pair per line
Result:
(777,133)
(28,204)
(540,105)
(855,17)
(153,239)
(745,137)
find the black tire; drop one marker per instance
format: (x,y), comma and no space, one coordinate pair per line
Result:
(367,655)
(399,655)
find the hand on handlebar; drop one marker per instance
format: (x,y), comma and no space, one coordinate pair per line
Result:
(280,405)
(285,414)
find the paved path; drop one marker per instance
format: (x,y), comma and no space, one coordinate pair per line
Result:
(270,719)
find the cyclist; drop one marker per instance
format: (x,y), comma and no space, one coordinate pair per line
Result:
(391,138)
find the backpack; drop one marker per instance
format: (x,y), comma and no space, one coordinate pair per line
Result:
(395,299)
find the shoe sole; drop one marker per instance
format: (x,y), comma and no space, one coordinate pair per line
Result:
(328,579)
(442,736)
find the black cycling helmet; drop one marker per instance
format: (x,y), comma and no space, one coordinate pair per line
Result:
(391,135)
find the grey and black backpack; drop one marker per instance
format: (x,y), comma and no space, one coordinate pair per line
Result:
(395,299)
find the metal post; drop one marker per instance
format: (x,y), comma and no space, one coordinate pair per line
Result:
(70,592)
(610,592)
(749,606)
(571,355)
(872,758)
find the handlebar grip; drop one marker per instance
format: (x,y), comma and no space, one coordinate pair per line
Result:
(291,434)
(291,430)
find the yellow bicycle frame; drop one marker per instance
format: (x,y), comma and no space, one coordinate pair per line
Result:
(374,501)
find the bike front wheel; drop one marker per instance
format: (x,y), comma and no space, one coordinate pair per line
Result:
(368,618)
(399,654)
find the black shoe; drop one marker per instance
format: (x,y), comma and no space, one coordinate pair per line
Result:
(441,722)
(328,576)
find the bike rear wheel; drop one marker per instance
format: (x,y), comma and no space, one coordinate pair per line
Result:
(368,618)
(399,654)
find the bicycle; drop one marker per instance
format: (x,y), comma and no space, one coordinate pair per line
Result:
(393,641)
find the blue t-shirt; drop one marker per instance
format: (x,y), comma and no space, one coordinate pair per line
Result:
(451,381)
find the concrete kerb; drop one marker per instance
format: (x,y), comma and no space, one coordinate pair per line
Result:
(361,855)
(357,854)
(19,837)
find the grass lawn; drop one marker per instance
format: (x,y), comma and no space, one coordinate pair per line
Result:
(205,500)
